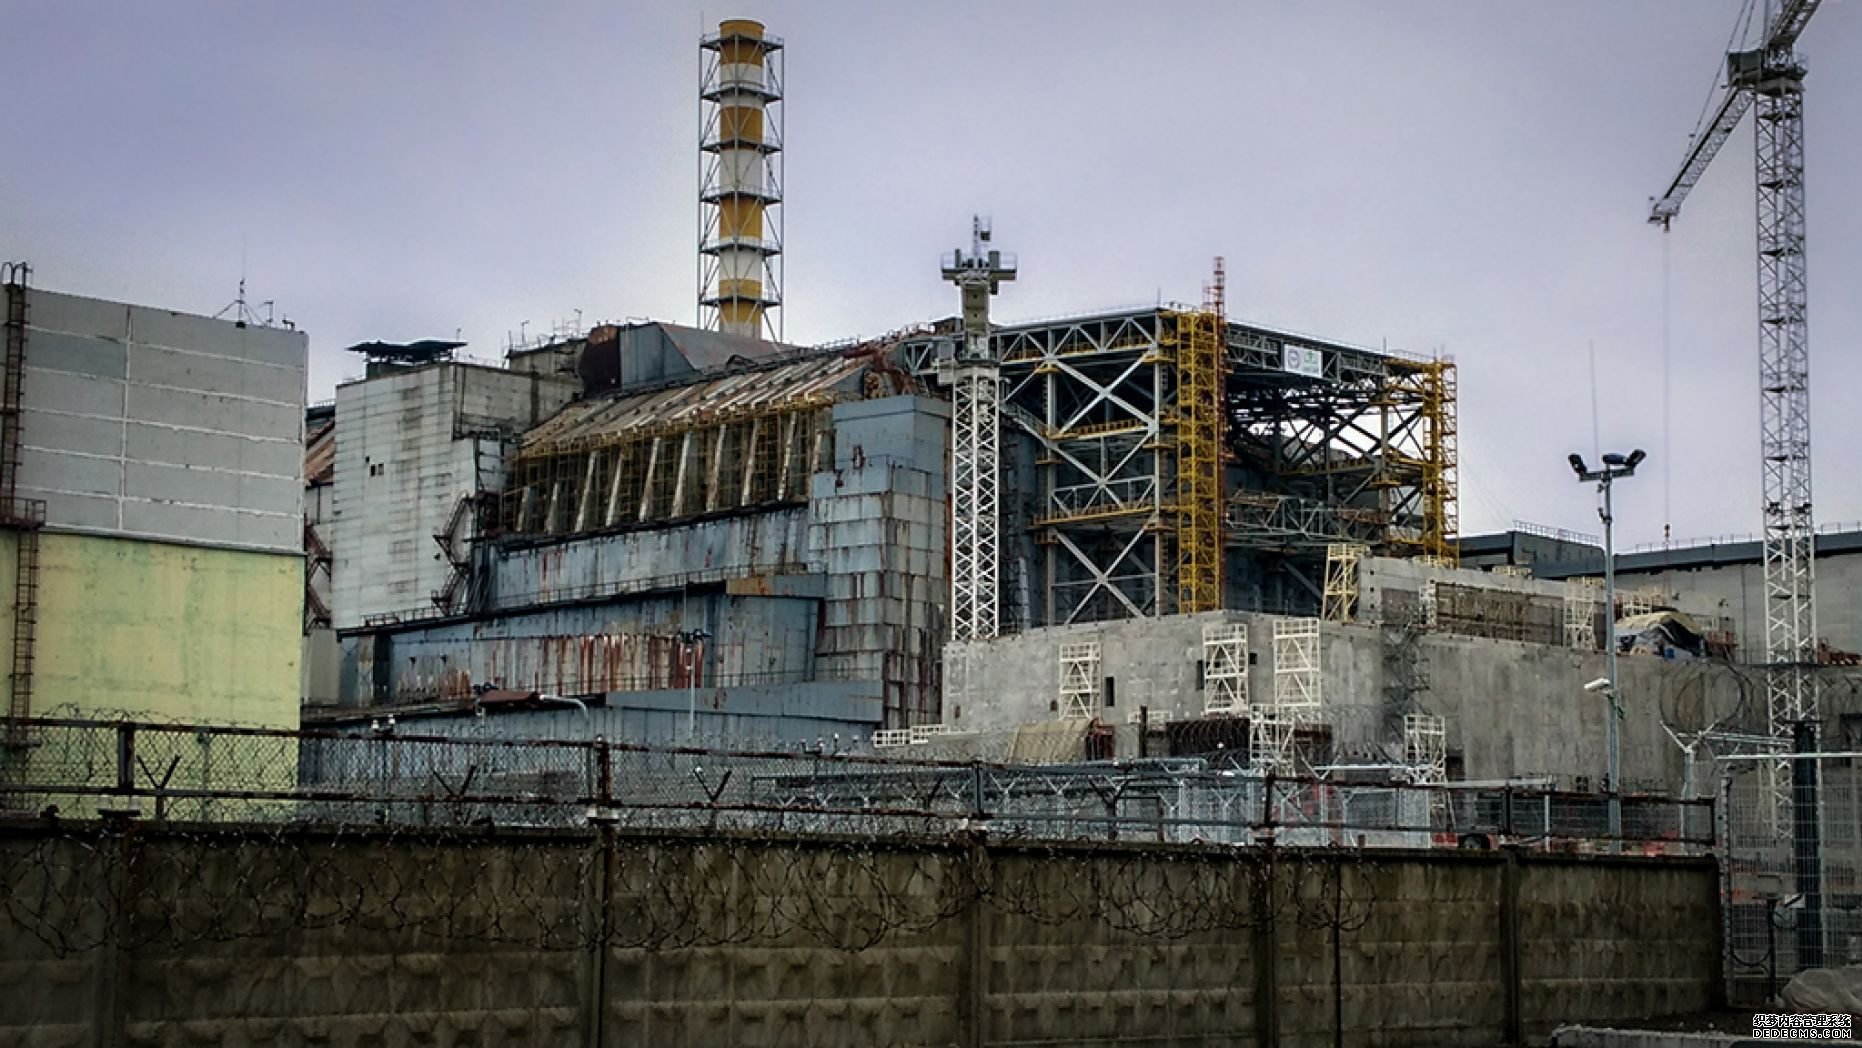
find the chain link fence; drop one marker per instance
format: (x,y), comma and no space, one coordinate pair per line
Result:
(1791,898)
(91,769)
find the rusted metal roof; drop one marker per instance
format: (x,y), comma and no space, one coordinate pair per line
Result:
(820,379)
(711,350)
(320,454)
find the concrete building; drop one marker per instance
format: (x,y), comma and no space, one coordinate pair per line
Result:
(151,466)
(746,540)
(1728,576)
(1498,662)
(721,537)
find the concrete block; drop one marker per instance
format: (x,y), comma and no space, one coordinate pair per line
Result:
(166,444)
(183,369)
(160,327)
(72,394)
(84,436)
(76,315)
(181,484)
(55,351)
(56,471)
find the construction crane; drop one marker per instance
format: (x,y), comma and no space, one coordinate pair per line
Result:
(1770,76)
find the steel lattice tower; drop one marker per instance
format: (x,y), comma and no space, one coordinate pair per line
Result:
(975,454)
(1771,77)
(1784,397)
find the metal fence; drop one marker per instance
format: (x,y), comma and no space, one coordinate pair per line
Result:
(1792,869)
(92,769)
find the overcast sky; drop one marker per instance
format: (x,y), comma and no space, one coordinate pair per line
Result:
(1467,177)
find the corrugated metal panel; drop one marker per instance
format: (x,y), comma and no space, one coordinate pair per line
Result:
(813,380)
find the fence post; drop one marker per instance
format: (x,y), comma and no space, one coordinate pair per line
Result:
(106,1001)
(973,956)
(1266,953)
(125,758)
(1514,1021)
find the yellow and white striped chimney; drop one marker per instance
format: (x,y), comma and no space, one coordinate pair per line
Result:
(740,183)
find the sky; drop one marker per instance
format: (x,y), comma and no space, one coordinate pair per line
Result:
(1465,178)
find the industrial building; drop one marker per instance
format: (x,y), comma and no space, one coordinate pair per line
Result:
(964,529)
(766,525)
(151,490)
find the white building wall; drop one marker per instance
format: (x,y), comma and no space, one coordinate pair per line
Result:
(146,423)
(405,455)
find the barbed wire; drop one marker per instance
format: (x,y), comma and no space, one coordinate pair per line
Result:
(77,888)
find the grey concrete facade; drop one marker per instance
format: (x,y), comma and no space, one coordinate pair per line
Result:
(409,447)
(1729,579)
(823,616)
(1513,709)
(146,423)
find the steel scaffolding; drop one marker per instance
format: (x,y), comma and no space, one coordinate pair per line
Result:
(1225,669)
(1341,581)
(1079,681)
(1320,442)
(1200,383)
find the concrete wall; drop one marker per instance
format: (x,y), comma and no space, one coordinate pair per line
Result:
(409,446)
(573,937)
(149,423)
(1152,661)
(743,717)
(877,523)
(1513,709)
(623,644)
(753,545)
(168,632)
(1737,591)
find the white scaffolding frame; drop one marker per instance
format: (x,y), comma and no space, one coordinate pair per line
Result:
(1270,741)
(1079,681)
(1225,668)
(1298,680)
(1425,748)
(1581,604)
(1340,600)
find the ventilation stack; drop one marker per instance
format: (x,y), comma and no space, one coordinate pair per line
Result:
(740,182)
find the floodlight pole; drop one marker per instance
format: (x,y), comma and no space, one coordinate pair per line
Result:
(1614,466)
(1612,731)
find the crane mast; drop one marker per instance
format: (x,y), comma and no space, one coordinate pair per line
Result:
(1770,80)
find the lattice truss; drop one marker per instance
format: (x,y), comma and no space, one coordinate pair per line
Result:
(1298,681)
(1374,441)
(1583,597)
(733,443)
(1320,443)
(1340,602)
(1079,681)
(975,508)
(1273,726)
(1225,669)
(1425,748)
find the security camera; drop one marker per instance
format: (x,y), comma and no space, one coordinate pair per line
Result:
(1600,684)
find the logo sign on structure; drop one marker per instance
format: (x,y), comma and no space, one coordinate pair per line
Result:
(1303,361)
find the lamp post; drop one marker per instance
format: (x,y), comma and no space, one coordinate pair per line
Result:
(1614,466)
(692,639)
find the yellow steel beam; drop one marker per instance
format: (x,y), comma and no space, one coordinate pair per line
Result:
(1199,454)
